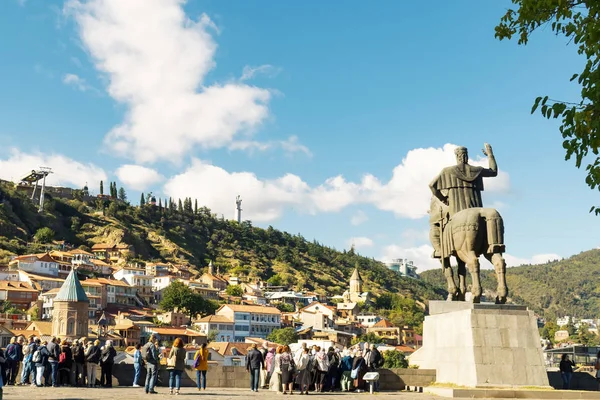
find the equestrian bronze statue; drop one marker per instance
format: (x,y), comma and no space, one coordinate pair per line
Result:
(461,227)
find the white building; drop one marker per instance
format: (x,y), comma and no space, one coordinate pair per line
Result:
(564,321)
(251,320)
(222,325)
(124,271)
(403,267)
(368,320)
(36,264)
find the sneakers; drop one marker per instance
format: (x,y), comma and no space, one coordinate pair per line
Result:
(136,386)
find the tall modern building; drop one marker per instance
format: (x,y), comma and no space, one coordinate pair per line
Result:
(403,267)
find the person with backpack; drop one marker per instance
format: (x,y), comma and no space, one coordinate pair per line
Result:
(54,350)
(79,360)
(14,355)
(28,366)
(150,355)
(92,356)
(65,362)
(137,365)
(333,371)
(40,359)
(107,360)
(201,366)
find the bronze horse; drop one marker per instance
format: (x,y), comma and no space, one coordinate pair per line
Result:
(467,235)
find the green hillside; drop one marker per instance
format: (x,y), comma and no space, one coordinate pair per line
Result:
(183,233)
(567,287)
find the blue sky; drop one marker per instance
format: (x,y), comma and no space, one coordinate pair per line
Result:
(291,106)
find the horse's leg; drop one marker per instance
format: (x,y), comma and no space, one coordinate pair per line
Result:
(452,289)
(500,267)
(462,279)
(472,261)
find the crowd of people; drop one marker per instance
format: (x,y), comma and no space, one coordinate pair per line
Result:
(56,362)
(312,369)
(42,363)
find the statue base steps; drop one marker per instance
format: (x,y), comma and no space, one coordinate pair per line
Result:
(482,345)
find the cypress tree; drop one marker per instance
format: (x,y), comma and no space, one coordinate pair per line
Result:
(142,200)
(101,187)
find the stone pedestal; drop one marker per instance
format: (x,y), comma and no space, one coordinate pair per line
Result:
(482,345)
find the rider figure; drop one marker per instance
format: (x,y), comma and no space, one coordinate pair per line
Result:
(459,187)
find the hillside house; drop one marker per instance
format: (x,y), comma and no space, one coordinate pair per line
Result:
(223,326)
(42,264)
(19,294)
(251,320)
(112,253)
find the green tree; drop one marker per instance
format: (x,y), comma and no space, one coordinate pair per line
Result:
(234,290)
(112,210)
(285,307)
(283,336)
(548,331)
(394,359)
(101,187)
(142,200)
(44,235)
(579,22)
(212,335)
(179,296)
(367,338)
(122,194)
(275,280)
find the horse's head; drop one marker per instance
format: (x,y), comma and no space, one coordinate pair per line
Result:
(436,207)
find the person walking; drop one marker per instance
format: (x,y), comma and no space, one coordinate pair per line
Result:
(107,361)
(137,365)
(65,362)
(566,371)
(201,366)
(40,359)
(54,350)
(150,355)
(176,365)
(254,363)
(92,356)
(323,368)
(269,359)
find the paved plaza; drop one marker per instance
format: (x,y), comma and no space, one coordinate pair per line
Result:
(123,393)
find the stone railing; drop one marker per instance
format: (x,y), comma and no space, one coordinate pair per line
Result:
(237,377)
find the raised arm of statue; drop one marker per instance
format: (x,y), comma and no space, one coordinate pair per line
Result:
(493,169)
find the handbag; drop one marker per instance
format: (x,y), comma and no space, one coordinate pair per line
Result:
(171,361)
(354,372)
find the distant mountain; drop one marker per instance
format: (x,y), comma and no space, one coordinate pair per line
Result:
(558,288)
(180,232)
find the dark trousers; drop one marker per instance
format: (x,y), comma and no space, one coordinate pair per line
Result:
(13,369)
(566,378)
(106,375)
(254,378)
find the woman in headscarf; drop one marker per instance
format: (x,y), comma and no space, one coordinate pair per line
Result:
(360,366)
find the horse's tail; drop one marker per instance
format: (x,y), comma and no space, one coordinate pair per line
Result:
(495,231)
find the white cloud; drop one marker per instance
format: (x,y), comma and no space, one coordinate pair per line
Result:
(266,69)
(66,171)
(512,261)
(407,194)
(156,59)
(359,218)
(77,82)
(290,145)
(360,242)
(263,200)
(138,177)
(421,256)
